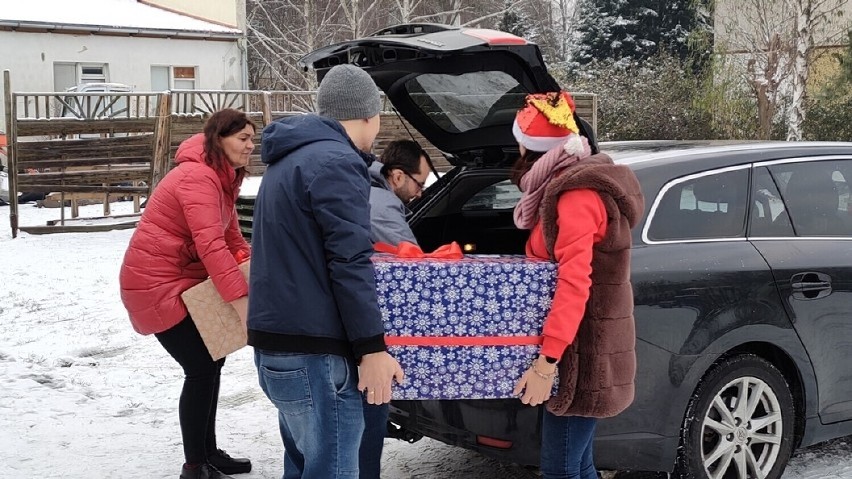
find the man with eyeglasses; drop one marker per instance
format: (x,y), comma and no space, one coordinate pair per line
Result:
(398,179)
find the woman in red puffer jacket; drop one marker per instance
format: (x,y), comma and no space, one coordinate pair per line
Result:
(189,232)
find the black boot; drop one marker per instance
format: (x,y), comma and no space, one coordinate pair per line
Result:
(204,471)
(227,464)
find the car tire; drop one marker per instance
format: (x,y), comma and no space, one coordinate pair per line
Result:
(720,440)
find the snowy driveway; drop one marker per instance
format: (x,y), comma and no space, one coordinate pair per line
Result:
(83,396)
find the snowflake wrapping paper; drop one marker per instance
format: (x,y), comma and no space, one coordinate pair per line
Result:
(463,329)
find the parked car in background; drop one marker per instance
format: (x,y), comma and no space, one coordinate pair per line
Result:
(742,268)
(100,106)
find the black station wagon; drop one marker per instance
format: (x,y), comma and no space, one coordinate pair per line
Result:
(742,267)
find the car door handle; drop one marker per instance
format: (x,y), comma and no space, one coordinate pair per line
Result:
(810,285)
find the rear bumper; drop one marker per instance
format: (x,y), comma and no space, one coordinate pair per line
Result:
(458,423)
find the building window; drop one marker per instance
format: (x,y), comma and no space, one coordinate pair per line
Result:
(67,75)
(93,74)
(184,78)
(173,78)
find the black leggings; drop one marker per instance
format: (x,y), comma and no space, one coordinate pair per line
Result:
(200,394)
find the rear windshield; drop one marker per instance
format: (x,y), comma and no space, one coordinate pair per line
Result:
(459,103)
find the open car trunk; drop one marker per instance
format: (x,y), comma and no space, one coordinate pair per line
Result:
(459,87)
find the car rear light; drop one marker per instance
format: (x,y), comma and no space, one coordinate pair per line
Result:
(493,442)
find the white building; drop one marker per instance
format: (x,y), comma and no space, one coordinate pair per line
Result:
(51,45)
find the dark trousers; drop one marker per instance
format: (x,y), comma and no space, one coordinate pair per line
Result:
(373,440)
(200,394)
(566,447)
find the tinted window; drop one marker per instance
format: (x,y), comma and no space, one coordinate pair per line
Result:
(768,213)
(458,103)
(816,196)
(710,206)
(499,196)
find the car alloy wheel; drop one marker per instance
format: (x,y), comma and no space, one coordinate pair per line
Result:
(739,424)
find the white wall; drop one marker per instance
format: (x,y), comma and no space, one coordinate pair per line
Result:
(30,58)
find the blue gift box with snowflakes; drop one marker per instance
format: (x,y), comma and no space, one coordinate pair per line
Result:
(464,328)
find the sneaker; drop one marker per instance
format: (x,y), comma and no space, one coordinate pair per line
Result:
(227,464)
(204,471)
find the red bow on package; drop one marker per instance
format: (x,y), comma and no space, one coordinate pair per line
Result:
(406,249)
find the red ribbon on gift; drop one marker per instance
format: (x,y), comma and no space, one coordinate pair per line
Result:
(407,249)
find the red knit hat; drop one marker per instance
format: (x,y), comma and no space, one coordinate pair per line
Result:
(547,121)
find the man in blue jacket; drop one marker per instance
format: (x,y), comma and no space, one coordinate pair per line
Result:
(313,315)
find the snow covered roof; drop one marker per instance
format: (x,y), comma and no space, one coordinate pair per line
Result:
(107,16)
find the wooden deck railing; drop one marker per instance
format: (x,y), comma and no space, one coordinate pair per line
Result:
(103,144)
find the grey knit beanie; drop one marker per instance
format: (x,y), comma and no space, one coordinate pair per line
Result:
(348,93)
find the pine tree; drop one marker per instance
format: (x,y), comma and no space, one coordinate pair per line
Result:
(637,29)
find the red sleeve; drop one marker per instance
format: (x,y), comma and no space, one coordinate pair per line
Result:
(581,219)
(199,196)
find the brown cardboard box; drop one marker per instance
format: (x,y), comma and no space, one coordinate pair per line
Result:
(217,321)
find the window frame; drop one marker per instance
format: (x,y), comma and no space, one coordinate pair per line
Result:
(795,237)
(748,237)
(683,179)
(81,78)
(171,75)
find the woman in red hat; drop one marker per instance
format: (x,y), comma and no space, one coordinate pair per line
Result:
(579,208)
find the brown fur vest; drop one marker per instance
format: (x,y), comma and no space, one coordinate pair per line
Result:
(597,371)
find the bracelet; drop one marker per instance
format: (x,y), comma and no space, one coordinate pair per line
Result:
(541,374)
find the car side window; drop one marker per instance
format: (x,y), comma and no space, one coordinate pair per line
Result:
(705,207)
(816,196)
(768,216)
(498,196)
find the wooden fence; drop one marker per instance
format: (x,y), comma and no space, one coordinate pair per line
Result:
(103,145)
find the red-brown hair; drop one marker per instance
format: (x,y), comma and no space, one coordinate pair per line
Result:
(224,123)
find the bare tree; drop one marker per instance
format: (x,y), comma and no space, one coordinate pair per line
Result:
(564,12)
(453,12)
(777,38)
(282,31)
(811,18)
(417,11)
(758,33)
(359,18)
(406,9)
(764,77)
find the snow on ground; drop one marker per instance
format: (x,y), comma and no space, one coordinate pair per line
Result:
(83,396)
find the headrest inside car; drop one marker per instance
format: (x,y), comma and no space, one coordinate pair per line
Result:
(713,189)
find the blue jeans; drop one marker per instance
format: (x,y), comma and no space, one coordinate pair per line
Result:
(566,447)
(375,430)
(319,412)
